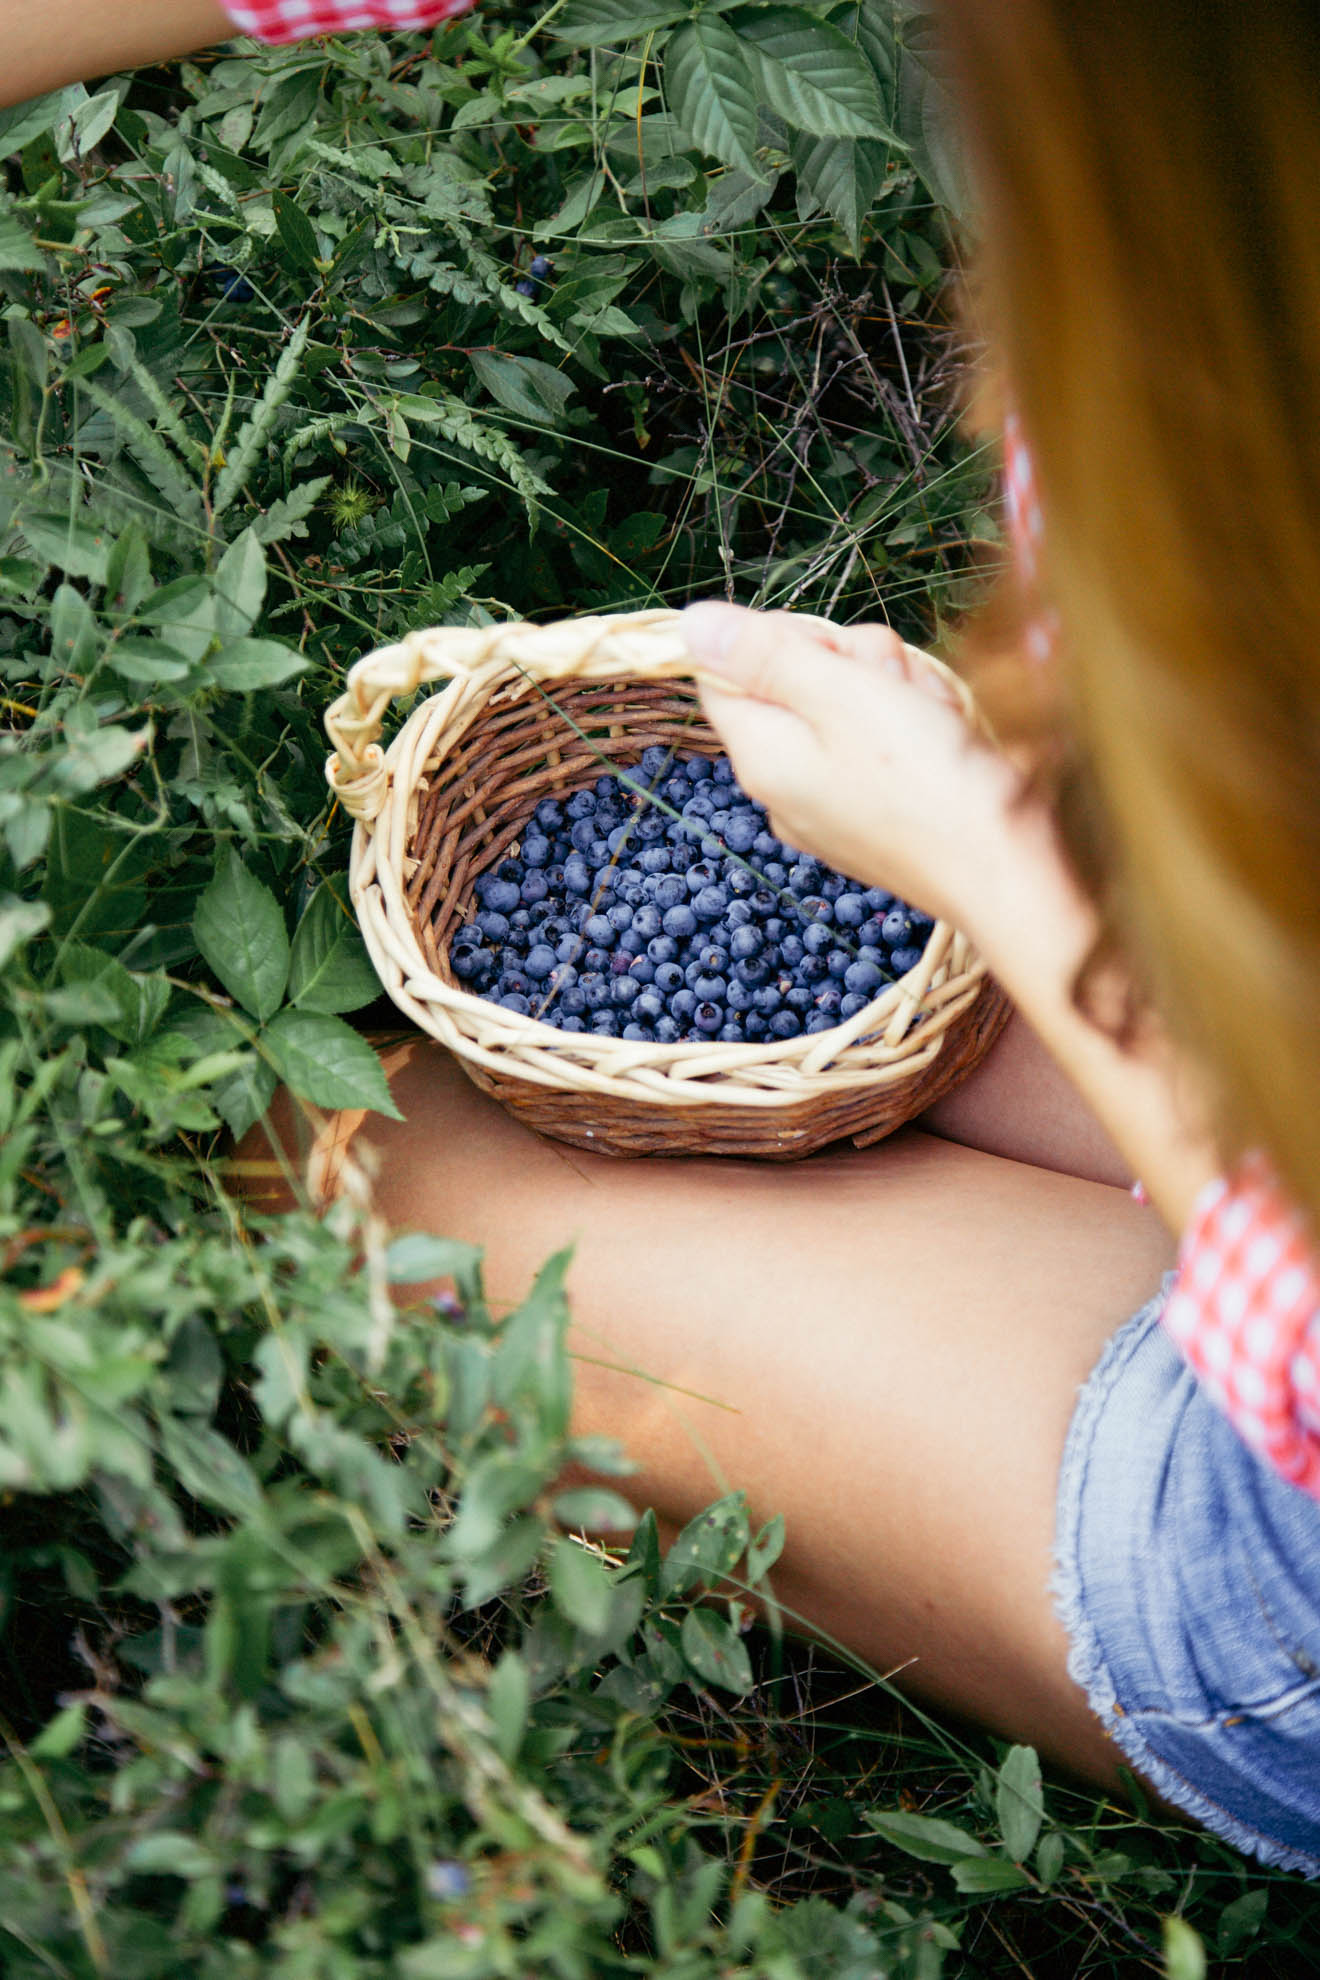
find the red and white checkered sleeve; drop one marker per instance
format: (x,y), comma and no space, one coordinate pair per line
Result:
(1245,1311)
(1025,529)
(296,20)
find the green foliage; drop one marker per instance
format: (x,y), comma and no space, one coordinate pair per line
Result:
(312,1668)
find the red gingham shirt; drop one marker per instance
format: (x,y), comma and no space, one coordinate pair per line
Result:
(296,20)
(1245,1306)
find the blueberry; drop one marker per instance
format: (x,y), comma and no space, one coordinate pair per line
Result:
(816,938)
(679,921)
(520,921)
(766,846)
(526,288)
(649,1006)
(623,991)
(708,1018)
(799,998)
(595,991)
(878,900)
(642,968)
(549,814)
(711,989)
(572,1002)
(667,1031)
(737,914)
(539,268)
(682,1004)
(581,833)
(754,1027)
(741,831)
(829,1001)
(620,916)
(662,949)
(535,851)
(600,931)
(740,996)
(896,927)
(469,964)
(902,960)
(571,1022)
(838,963)
(654,859)
(580,805)
(863,977)
(791,950)
(540,961)
(534,888)
(671,892)
(495,927)
(710,903)
(646,921)
(818,1022)
(850,911)
(742,881)
(635,1034)
(594,959)
(785,1024)
(668,978)
(655,760)
(730,1033)
(767,999)
(775,872)
(499,895)
(513,1001)
(713,956)
(605,1024)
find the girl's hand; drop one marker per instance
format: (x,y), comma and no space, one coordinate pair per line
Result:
(860,756)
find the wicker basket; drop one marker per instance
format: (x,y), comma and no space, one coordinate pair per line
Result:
(529,712)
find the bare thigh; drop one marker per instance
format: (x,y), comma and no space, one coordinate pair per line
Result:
(885,1345)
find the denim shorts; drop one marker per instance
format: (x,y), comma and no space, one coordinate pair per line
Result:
(1187,1575)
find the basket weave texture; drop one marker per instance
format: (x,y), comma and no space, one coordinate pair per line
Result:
(530,712)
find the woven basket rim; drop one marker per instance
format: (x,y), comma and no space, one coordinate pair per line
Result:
(852,1054)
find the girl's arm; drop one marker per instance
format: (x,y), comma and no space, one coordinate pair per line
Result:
(861,762)
(47,43)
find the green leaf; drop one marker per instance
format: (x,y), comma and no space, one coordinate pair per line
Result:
(711,90)
(170,1853)
(1049,1857)
(923,1836)
(988,1876)
(296,232)
(82,129)
(62,1735)
(19,922)
(522,385)
(1184,1951)
(600,23)
(78,548)
(25,121)
(579,1587)
(137,1002)
(146,661)
(841,174)
(247,664)
(765,1549)
(1241,1920)
(508,1700)
(208,1465)
(239,928)
(19,253)
(714,1651)
(1019,1802)
(411,1261)
(709,1546)
(595,1509)
(812,76)
(326,1062)
(240,586)
(330,969)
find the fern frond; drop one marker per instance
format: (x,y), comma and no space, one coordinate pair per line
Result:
(255,431)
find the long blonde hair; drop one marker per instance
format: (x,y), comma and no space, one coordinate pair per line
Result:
(1150,179)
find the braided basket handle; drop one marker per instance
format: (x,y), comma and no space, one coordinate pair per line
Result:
(473,658)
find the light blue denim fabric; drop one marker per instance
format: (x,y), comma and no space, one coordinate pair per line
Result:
(1188,1578)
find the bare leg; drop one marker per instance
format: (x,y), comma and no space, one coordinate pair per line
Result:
(1020,1104)
(885,1345)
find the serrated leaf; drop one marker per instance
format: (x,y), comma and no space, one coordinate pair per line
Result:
(330,968)
(248,664)
(711,90)
(811,74)
(598,23)
(923,1836)
(841,174)
(1019,1801)
(323,1060)
(989,1876)
(709,1546)
(137,1002)
(714,1651)
(578,1587)
(239,928)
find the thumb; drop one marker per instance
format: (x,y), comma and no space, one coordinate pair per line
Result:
(766,655)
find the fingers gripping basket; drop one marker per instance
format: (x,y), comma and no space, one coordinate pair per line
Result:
(529,712)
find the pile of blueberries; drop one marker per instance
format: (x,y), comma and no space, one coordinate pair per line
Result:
(680,919)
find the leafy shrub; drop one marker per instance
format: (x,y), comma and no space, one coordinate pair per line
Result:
(307,1671)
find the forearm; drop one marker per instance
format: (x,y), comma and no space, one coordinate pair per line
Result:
(1034,927)
(54,42)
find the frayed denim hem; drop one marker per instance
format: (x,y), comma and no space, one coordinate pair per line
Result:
(1087,1663)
